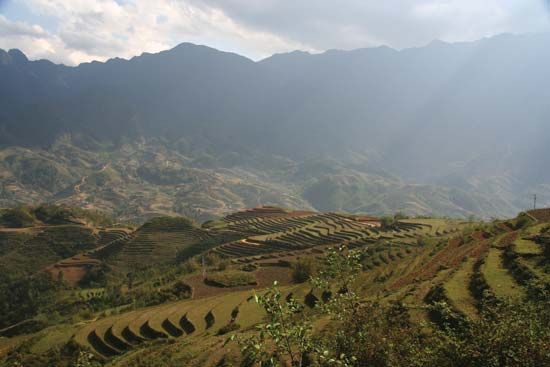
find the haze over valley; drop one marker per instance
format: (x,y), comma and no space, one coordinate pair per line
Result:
(274,183)
(446,129)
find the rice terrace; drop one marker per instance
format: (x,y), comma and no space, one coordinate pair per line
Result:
(173,287)
(274,183)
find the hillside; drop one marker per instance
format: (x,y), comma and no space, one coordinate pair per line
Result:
(463,136)
(168,292)
(139,179)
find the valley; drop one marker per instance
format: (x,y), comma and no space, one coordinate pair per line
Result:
(199,132)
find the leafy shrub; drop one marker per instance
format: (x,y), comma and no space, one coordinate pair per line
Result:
(190,266)
(388,223)
(17,218)
(214,260)
(303,269)
(95,277)
(25,298)
(190,251)
(53,214)
(505,335)
(152,297)
(181,290)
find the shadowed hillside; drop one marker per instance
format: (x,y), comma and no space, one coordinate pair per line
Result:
(463,134)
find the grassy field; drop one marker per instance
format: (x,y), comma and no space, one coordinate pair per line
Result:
(498,277)
(458,292)
(527,247)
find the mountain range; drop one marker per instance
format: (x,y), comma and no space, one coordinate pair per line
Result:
(446,129)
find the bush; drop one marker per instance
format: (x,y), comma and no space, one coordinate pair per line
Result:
(523,221)
(303,269)
(215,261)
(96,277)
(17,218)
(505,335)
(181,290)
(53,214)
(388,223)
(190,266)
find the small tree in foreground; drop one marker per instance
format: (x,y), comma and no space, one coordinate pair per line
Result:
(287,338)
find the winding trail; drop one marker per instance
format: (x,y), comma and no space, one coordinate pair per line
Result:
(84,178)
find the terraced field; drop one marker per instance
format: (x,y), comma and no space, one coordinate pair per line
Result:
(159,241)
(512,268)
(415,261)
(29,250)
(457,291)
(73,269)
(498,278)
(296,232)
(118,334)
(277,235)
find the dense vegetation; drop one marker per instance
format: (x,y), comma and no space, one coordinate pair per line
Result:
(23,299)
(27,216)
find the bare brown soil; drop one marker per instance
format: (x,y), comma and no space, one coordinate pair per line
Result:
(264,277)
(542,215)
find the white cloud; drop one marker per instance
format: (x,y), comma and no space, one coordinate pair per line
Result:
(19,29)
(100,29)
(31,38)
(325,24)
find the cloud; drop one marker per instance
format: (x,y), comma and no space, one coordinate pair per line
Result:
(88,30)
(325,24)
(24,36)
(101,29)
(19,29)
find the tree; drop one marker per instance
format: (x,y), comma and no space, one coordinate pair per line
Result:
(287,337)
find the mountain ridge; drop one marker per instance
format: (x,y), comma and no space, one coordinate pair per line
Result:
(439,115)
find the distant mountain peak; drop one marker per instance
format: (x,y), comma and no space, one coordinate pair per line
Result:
(17,56)
(13,56)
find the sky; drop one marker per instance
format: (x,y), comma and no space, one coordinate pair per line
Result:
(76,31)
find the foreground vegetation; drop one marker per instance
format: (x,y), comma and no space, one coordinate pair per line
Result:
(349,291)
(374,333)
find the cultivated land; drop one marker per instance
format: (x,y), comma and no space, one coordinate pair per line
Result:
(171,287)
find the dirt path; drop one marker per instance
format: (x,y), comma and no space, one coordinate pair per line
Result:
(84,178)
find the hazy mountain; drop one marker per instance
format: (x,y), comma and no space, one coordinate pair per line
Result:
(452,129)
